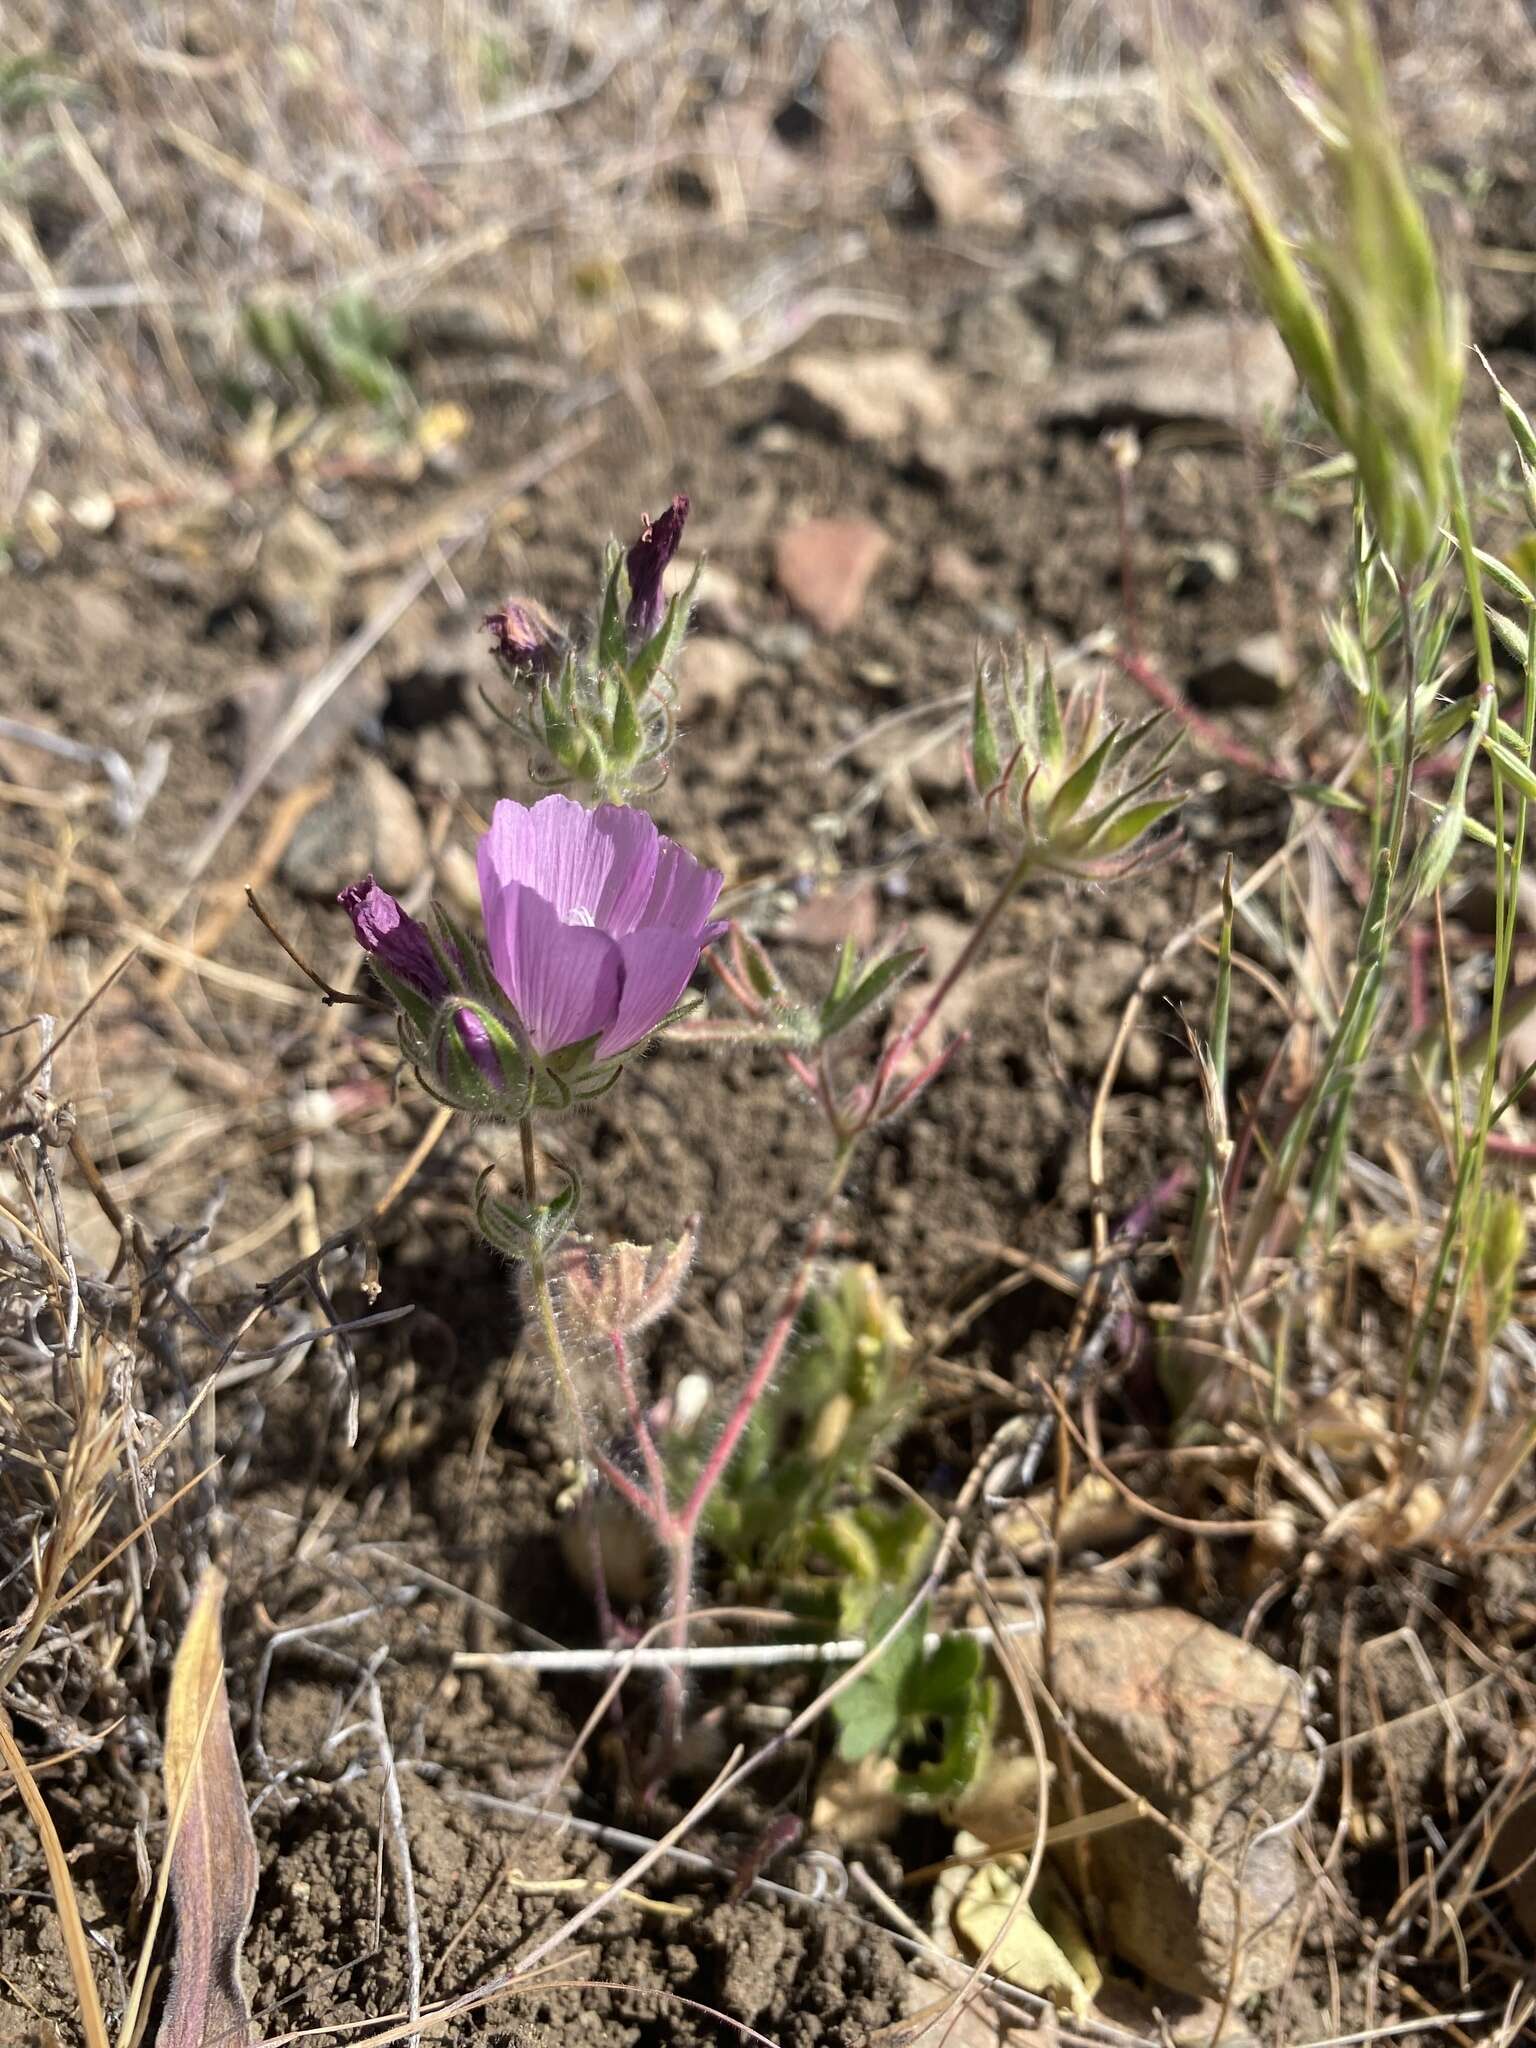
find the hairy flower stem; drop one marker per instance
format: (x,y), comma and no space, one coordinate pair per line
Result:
(554,1344)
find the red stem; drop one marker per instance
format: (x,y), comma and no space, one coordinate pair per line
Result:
(1210,735)
(654,1469)
(763,1371)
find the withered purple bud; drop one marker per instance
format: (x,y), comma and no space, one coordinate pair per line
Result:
(523,636)
(646,563)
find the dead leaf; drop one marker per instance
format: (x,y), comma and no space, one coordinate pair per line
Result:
(1041,1945)
(212,1849)
(1094,1516)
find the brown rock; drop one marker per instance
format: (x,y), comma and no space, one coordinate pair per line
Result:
(1209,1731)
(856,97)
(952,190)
(877,395)
(1203,371)
(399,843)
(712,673)
(452,755)
(298,577)
(369,823)
(825,567)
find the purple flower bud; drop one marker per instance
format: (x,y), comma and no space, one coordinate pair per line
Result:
(524,637)
(401,946)
(646,563)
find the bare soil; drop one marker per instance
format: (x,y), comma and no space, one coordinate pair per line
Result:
(224,1097)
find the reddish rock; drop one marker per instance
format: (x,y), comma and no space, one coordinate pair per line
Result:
(952,573)
(825,567)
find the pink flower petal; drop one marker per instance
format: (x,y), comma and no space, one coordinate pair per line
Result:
(683,892)
(657,968)
(563,980)
(599,863)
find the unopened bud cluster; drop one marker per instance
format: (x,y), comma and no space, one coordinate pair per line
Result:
(602,718)
(1081,787)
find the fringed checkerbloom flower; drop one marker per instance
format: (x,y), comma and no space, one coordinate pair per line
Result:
(594,924)
(594,921)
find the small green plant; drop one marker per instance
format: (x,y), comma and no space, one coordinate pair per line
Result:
(930,1709)
(345,352)
(794,1515)
(790,1501)
(26,84)
(1080,789)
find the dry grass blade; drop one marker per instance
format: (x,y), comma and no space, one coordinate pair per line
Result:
(92,2024)
(211,1854)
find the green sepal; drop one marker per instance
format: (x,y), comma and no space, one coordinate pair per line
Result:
(986,758)
(612,650)
(1125,829)
(1053,741)
(1078,787)
(664,645)
(626,738)
(520,1229)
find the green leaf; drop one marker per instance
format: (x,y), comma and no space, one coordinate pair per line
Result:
(836,1016)
(1331,799)
(942,1682)
(1511,767)
(760,971)
(842,979)
(870,1713)
(967,1741)
(369,376)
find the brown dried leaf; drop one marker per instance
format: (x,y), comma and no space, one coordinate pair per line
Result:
(212,1850)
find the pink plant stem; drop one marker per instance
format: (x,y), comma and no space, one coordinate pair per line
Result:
(653,1466)
(767,1359)
(681,1549)
(623,1485)
(1209,734)
(902,1043)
